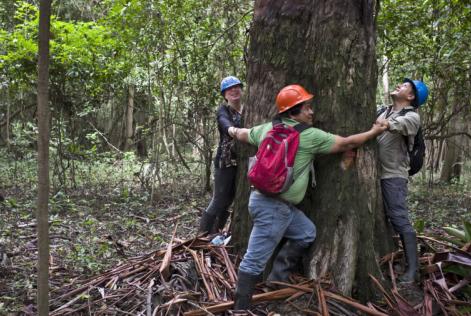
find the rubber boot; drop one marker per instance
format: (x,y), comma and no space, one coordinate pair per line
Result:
(207,223)
(221,220)
(286,261)
(409,243)
(244,290)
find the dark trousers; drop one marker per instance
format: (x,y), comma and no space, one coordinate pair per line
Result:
(394,199)
(223,194)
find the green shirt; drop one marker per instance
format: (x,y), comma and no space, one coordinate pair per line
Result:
(312,141)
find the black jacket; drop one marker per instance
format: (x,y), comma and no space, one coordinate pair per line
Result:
(226,155)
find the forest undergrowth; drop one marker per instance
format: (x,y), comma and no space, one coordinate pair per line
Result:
(96,226)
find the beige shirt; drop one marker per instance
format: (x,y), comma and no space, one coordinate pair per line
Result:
(393,154)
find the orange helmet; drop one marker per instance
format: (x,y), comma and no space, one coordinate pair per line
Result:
(290,96)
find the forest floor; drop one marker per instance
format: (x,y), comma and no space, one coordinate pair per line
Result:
(94,228)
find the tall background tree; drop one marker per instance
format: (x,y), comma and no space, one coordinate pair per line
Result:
(43,158)
(328,47)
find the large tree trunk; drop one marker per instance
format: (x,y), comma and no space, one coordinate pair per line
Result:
(329,48)
(43,158)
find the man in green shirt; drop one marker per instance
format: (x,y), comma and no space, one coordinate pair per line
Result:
(277,217)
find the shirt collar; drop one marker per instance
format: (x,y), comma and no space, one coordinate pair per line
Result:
(289,121)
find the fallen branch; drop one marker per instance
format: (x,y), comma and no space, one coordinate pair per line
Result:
(198,278)
(165,266)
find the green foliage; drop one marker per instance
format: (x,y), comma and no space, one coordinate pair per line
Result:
(455,232)
(419,226)
(80,53)
(439,205)
(24,136)
(173,53)
(426,38)
(429,40)
(460,236)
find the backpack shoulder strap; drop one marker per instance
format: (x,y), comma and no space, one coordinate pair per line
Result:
(406,138)
(276,121)
(301,127)
(298,127)
(404,111)
(383,109)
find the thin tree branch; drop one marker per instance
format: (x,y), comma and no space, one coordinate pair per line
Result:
(105,139)
(449,135)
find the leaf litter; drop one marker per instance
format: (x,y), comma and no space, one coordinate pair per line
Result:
(189,275)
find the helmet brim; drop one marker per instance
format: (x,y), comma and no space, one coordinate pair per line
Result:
(309,98)
(237,84)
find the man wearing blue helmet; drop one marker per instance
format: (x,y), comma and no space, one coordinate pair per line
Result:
(225,164)
(403,123)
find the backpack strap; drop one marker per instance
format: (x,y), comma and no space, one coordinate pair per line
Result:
(313,175)
(406,138)
(300,127)
(383,109)
(389,109)
(404,111)
(276,121)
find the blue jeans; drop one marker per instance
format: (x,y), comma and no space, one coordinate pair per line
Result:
(394,199)
(272,220)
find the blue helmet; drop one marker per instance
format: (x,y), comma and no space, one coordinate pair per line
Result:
(420,90)
(228,82)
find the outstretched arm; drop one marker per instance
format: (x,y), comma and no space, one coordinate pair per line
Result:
(345,143)
(241,134)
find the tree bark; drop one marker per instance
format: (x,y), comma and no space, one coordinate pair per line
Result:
(43,158)
(454,146)
(453,157)
(329,48)
(385,80)
(129,118)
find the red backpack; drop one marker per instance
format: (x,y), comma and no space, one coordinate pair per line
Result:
(271,169)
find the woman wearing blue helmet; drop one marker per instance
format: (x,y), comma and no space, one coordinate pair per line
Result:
(225,163)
